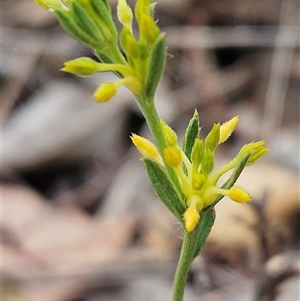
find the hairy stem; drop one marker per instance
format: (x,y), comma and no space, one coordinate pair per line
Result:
(185,260)
(149,111)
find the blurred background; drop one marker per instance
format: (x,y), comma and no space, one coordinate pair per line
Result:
(80,221)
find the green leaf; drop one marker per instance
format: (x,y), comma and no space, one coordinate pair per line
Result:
(206,222)
(104,58)
(101,4)
(197,153)
(213,137)
(164,188)
(67,22)
(191,133)
(86,23)
(103,10)
(208,162)
(156,66)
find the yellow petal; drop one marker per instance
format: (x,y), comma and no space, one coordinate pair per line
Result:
(256,149)
(172,156)
(169,133)
(239,195)
(105,92)
(191,217)
(146,148)
(124,13)
(227,128)
(82,66)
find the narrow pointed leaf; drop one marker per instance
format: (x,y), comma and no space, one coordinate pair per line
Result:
(103,10)
(164,188)
(86,23)
(206,222)
(156,65)
(74,30)
(191,133)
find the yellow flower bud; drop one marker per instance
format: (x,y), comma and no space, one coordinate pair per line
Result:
(238,194)
(172,156)
(148,29)
(124,13)
(227,129)
(105,92)
(191,217)
(256,150)
(169,133)
(257,155)
(141,6)
(146,148)
(83,66)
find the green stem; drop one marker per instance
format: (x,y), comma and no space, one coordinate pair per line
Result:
(187,254)
(214,178)
(185,260)
(149,111)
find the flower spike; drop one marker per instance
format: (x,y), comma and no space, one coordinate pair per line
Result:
(182,177)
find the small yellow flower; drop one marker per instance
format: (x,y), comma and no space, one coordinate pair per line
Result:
(227,129)
(105,92)
(124,13)
(172,156)
(197,182)
(256,149)
(169,133)
(146,148)
(191,217)
(83,66)
(238,195)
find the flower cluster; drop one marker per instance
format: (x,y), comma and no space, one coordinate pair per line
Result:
(139,63)
(91,22)
(193,165)
(182,177)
